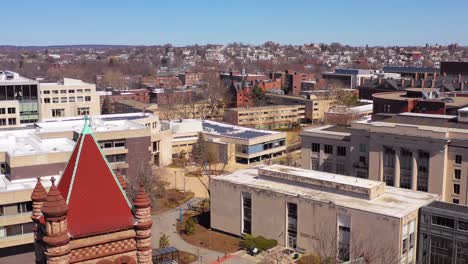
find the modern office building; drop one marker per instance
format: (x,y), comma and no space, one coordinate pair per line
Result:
(18,100)
(68,98)
(24,155)
(266,117)
(331,215)
(315,107)
(443,233)
(414,151)
(250,145)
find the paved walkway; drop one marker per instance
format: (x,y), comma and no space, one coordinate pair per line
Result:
(165,223)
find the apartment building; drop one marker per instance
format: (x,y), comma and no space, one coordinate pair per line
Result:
(250,145)
(331,215)
(266,117)
(413,151)
(443,233)
(68,98)
(18,100)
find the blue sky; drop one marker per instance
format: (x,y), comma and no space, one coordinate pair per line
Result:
(184,22)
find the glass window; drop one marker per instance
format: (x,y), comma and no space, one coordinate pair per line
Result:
(58,112)
(11,110)
(47,100)
(458,159)
(456,188)
(457,174)
(63,91)
(71,99)
(79,90)
(55,91)
(55,100)
(443,221)
(2,111)
(328,149)
(79,99)
(83,111)
(11,121)
(46,92)
(315,147)
(87,90)
(341,151)
(63,99)
(3,122)
(362,147)
(87,98)
(71,91)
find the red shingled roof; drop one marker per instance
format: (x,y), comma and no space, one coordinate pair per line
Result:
(96,202)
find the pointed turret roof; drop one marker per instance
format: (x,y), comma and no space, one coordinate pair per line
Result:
(39,193)
(95,198)
(54,205)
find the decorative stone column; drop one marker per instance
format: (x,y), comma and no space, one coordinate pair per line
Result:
(414,171)
(38,198)
(56,239)
(396,169)
(143,225)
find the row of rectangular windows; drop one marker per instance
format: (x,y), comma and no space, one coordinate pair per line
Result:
(65,91)
(56,100)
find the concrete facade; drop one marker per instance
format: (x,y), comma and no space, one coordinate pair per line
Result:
(266,117)
(326,203)
(68,98)
(443,233)
(413,151)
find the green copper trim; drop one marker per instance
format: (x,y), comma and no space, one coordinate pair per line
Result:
(75,166)
(86,128)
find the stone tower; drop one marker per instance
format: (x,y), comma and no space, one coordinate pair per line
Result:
(38,198)
(143,225)
(56,238)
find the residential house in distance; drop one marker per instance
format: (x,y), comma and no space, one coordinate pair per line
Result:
(414,151)
(266,117)
(443,233)
(68,98)
(310,211)
(19,103)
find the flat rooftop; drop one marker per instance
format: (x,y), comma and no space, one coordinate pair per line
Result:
(450,207)
(24,184)
(392,202)
(101,123)
(232,131)
(267,107)
(26,142)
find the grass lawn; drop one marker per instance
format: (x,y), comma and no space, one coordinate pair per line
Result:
(205,238)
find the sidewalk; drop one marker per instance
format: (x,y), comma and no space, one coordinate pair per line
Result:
(165,223)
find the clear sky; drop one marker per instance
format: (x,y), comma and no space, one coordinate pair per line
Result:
(183,22)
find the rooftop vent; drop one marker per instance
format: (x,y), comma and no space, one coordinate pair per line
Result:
(463,115)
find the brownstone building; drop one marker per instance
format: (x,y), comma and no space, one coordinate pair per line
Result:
(88,217)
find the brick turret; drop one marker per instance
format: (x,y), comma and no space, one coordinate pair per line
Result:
(143,225)
(38,198)
(56,238)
